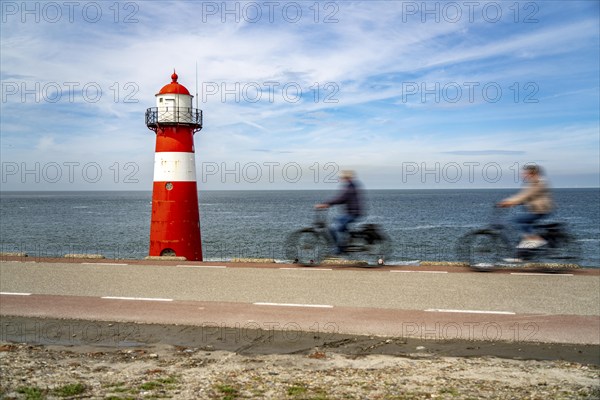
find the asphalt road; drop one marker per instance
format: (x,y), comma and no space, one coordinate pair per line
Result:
(532,294)
(402,301)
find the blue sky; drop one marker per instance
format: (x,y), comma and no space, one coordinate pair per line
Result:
(407,94)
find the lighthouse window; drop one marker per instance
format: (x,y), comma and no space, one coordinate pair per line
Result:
(160,100)
(169,186)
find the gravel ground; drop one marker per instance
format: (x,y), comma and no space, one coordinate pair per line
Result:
(37,372)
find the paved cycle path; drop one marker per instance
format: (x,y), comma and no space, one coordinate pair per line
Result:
(235,300)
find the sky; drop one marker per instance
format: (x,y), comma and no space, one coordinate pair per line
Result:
(408,94)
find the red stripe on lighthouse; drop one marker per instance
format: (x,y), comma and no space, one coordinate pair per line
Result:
(174,138)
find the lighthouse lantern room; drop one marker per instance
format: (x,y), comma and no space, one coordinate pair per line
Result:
(175,221)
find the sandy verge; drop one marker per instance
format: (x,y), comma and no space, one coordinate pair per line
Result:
(165,371)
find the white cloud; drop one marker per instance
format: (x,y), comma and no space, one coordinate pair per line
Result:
(367,58)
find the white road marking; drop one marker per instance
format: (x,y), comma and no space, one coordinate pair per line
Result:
(424,272)
(538,274)
(293,305)
(202,266)
(470,311)
(14,294)
(101,263)
(17,261)
(307,269)
(134,298)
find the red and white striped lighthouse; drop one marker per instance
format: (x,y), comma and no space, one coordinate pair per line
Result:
(175,224)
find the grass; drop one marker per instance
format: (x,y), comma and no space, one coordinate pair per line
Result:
(72,389)
(31,393)
(451,391)
(161,383)
(35,393)
(229,392)
(171,380)
(118,387)
(296,390)
(302,391)
(409,396)
(150,385)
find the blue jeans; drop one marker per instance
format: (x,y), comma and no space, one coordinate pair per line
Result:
(339,230)
(526,220)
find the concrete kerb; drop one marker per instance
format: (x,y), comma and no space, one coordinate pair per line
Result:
(252,260)
(165,258)
(85,256)
(12,254)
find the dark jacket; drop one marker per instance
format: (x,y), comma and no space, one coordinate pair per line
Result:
(350,197)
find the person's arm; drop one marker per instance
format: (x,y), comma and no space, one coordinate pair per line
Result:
(342,198)
(529,192)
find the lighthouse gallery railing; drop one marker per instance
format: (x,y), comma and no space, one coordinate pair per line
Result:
(173,115)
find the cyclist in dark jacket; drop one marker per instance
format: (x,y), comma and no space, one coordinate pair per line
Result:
(350,197)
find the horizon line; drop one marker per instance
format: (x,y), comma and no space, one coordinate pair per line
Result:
(289,190)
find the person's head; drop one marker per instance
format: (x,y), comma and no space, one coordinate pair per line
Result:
(532,171)
(346,175)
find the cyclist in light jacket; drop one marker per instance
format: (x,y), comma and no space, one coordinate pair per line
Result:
(536,196)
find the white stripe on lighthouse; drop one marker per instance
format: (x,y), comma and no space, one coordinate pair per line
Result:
(174,167)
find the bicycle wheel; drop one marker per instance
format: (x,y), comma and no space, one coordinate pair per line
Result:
(483,250)
(306,247)
(567,253)
(380,250)
(370,245)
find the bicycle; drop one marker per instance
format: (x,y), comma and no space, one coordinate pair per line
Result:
(309,246)
(490,248)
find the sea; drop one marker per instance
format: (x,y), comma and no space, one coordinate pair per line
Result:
(424,225)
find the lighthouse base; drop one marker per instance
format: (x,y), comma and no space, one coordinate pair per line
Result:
(175,225)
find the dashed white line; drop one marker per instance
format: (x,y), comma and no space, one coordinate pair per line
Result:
(469,311)
(294,305)
(424,272)
(99,263)
(134,298)
(17,261)
(14,294)
(203,266)
(538,274)
(306,269)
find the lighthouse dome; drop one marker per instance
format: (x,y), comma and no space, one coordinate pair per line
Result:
(174,87)
(174,107)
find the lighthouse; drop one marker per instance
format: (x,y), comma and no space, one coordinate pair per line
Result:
(175,222)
